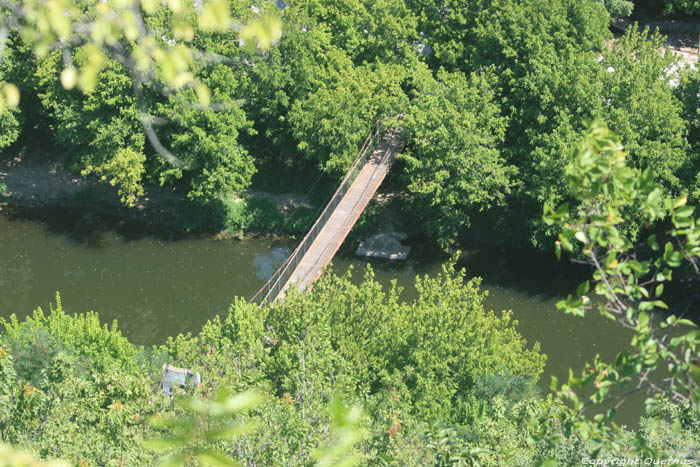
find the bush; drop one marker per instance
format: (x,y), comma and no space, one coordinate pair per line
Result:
(251,214)
(38,339)
(300,221)
(10,126)
(233,214)
(618,8)
(682,6)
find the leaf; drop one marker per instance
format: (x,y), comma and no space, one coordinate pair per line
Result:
(680,202)
(651,241)
(581,237)
(215,459)
(241,403)
(163,444)
(10,94)
(203,94)
(643,319)
(583,288)
(564,240)
(215,16)
(555,382)
(659,290)
(685,211)
(69,77)
(230,432)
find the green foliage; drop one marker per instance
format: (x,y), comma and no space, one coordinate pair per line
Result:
(125,170)
(655,140)
(433,381)
(203,424)
(424,349)
(629,287)
(216,162)
(251,213)
(10,126)
(560,89)
(687,92)
(104,125)
(151,63)
(59,24)
(470,34)
(519,78)
(618,8)
(452,130)
(301,220)
(331,123)
(14,458)
(11,118)
(64,379)
(40,336)
(681,6)
(368,31)
(72,388)
(396,359)
(346,433)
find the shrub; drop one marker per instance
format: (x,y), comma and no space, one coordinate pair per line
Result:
(251,214)
(41,337)
(300,221)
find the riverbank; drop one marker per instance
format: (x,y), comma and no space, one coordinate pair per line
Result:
(33,180)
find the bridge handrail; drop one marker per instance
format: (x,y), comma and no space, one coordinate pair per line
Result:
(282,274)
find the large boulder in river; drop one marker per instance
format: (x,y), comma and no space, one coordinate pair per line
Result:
(384,245)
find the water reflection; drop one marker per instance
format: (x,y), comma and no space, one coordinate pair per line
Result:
(267,263)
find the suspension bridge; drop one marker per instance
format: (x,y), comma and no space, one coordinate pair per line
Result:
(322,241)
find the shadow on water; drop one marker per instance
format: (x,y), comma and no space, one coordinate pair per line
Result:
(533,273)
(89,228)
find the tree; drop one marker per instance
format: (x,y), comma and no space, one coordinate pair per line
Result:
(640,71)
(104,125)
(453,131)
(681,6)
(663,354)
(11,119)
(423,349)
(383,31)
(331,123)
(479,33)
(687,92)
(560,89)
(618,8)
(209,140)
(145,56)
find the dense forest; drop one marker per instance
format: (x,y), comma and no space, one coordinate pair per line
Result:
(493,94)
(526,122)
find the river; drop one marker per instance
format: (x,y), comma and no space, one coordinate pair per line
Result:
(158,284)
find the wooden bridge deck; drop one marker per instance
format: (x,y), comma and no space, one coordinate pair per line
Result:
(341,221)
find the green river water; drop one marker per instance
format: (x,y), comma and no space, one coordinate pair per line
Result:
(158,284)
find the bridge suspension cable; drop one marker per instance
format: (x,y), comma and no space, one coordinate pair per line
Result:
(279,281)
